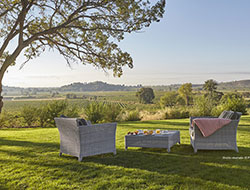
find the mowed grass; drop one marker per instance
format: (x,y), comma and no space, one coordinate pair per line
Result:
(29,159)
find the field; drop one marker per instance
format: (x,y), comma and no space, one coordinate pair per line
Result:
(29,159)
(127,98)
(128,109)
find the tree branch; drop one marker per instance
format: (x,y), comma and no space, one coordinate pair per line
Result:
(8,10)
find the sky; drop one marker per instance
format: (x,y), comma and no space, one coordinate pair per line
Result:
(196,40)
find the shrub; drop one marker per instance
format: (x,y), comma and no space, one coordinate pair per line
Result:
(216,96)
(203,106)
(132,116)
(95,112)
(111,112)
(234,102)
(55,109)
(180,101)
(71,111)
(46,113)
(29,114)
(176,113)
(9,119)
(43,115)
(169,99)
(158,115)
(216,111)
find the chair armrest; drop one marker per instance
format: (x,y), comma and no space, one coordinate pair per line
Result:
(192,118)
(191,132)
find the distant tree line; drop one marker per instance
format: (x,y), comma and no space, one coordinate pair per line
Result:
(208,102)
(102,86)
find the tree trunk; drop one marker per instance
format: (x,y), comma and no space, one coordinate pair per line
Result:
(1,98)
(3,69)
(8,61)
(187,100)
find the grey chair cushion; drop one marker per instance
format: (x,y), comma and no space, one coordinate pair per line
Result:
(81,122)
(226,115)
(230,115)
(63,116)
(223,114)
(236,116)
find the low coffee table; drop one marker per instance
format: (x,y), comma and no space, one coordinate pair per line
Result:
(153,141)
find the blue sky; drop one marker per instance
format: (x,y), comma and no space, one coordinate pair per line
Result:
(195,41)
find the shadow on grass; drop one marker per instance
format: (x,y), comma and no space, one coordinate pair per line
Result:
(205,165)
(26,128)
(4,141)
(240,129)
(167,122)
(156,122)
(153,126)
(244,125)
(28,149)
(181,166)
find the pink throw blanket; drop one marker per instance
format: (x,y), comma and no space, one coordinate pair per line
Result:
(208,126)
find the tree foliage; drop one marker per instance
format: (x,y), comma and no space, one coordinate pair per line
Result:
(234,102)
(145,95)
(185,91)
(85,31)
(204,105)
(207,106)
(169,99)
(95,112)
(210,86)
(29,115)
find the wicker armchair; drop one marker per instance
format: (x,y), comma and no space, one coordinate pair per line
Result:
(85,140)
(223,139)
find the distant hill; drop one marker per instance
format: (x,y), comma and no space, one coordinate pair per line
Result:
(74,87)
(103,86)
(96,86)
(235,85)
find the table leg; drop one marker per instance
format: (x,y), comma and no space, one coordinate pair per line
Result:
(168,149)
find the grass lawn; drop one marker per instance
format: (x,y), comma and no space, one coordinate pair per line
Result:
(29,159)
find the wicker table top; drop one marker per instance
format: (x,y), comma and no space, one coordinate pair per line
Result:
(166,140)
(170,133)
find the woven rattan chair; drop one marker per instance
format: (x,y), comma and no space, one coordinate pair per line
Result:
(85,140)
(223,139)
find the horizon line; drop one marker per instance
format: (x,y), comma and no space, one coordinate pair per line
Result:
(128,85)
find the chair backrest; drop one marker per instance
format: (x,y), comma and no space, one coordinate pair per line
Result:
(230,115)
(68,128)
